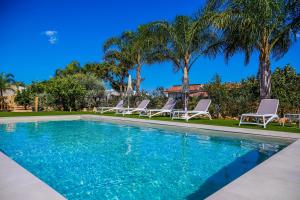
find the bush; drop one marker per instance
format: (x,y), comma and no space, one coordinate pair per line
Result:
(24,98)
(67,93)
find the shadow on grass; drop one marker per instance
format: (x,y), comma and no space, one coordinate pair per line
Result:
(227,174)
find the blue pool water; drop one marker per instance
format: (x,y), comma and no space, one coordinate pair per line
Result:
(99,160)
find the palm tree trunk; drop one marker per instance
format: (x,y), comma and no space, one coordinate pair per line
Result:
(1,100)
(264,75)
(138,78)
(185,80)
(185,86)
(121,89)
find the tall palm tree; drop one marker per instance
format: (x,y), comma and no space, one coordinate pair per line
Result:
(141,46)
(269,27)
(6,80)
(184,41)
(138,49)
(117,53)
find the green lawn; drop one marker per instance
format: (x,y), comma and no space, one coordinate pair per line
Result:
(217,122)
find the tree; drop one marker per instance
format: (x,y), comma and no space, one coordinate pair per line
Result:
(286,87)
(24,98)
(268,26)
(71,69)
(139,49)
(105,71)
(218,94)
(94,89)
(6,80)
(158,98)
(119,58)
(183,41)
(141,46)
(66,93)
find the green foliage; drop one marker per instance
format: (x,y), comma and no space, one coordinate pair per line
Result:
(119,57)
(286,88)
(233,100)
(268,26)
(24,98)
(184,40)
(94,90)
(38,87)
(67,92)
(71,69)
(243,98)
(102,71)
(6,80)
(72,92)
(218,94)
(158,98)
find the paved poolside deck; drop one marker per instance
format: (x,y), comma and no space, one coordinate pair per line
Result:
(276,178)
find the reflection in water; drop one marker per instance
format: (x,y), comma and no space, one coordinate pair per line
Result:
(36,126)
(227,174)
(128,142)
(265,148)
(10,127)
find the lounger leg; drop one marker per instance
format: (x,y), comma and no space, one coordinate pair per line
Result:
(241,120)
(271,118)
(209,116)
(158,113)
(264,121)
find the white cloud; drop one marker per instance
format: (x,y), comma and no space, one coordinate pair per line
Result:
(51,35)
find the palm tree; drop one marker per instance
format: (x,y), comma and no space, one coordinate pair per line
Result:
(183,42)
(138,49)
(119,58)
(268,26)
(71,69)
(6,80)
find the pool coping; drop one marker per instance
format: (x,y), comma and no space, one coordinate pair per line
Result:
(279,176)
(256,132)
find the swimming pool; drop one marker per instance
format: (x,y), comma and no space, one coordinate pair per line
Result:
(101,160)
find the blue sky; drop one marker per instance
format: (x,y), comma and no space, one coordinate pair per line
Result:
(38,37)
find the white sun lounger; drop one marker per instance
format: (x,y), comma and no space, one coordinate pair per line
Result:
(167,108)
(117,108)
(267,111)
(140,108)
(200,109)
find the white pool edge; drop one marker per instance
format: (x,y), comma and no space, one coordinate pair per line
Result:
(276,177)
